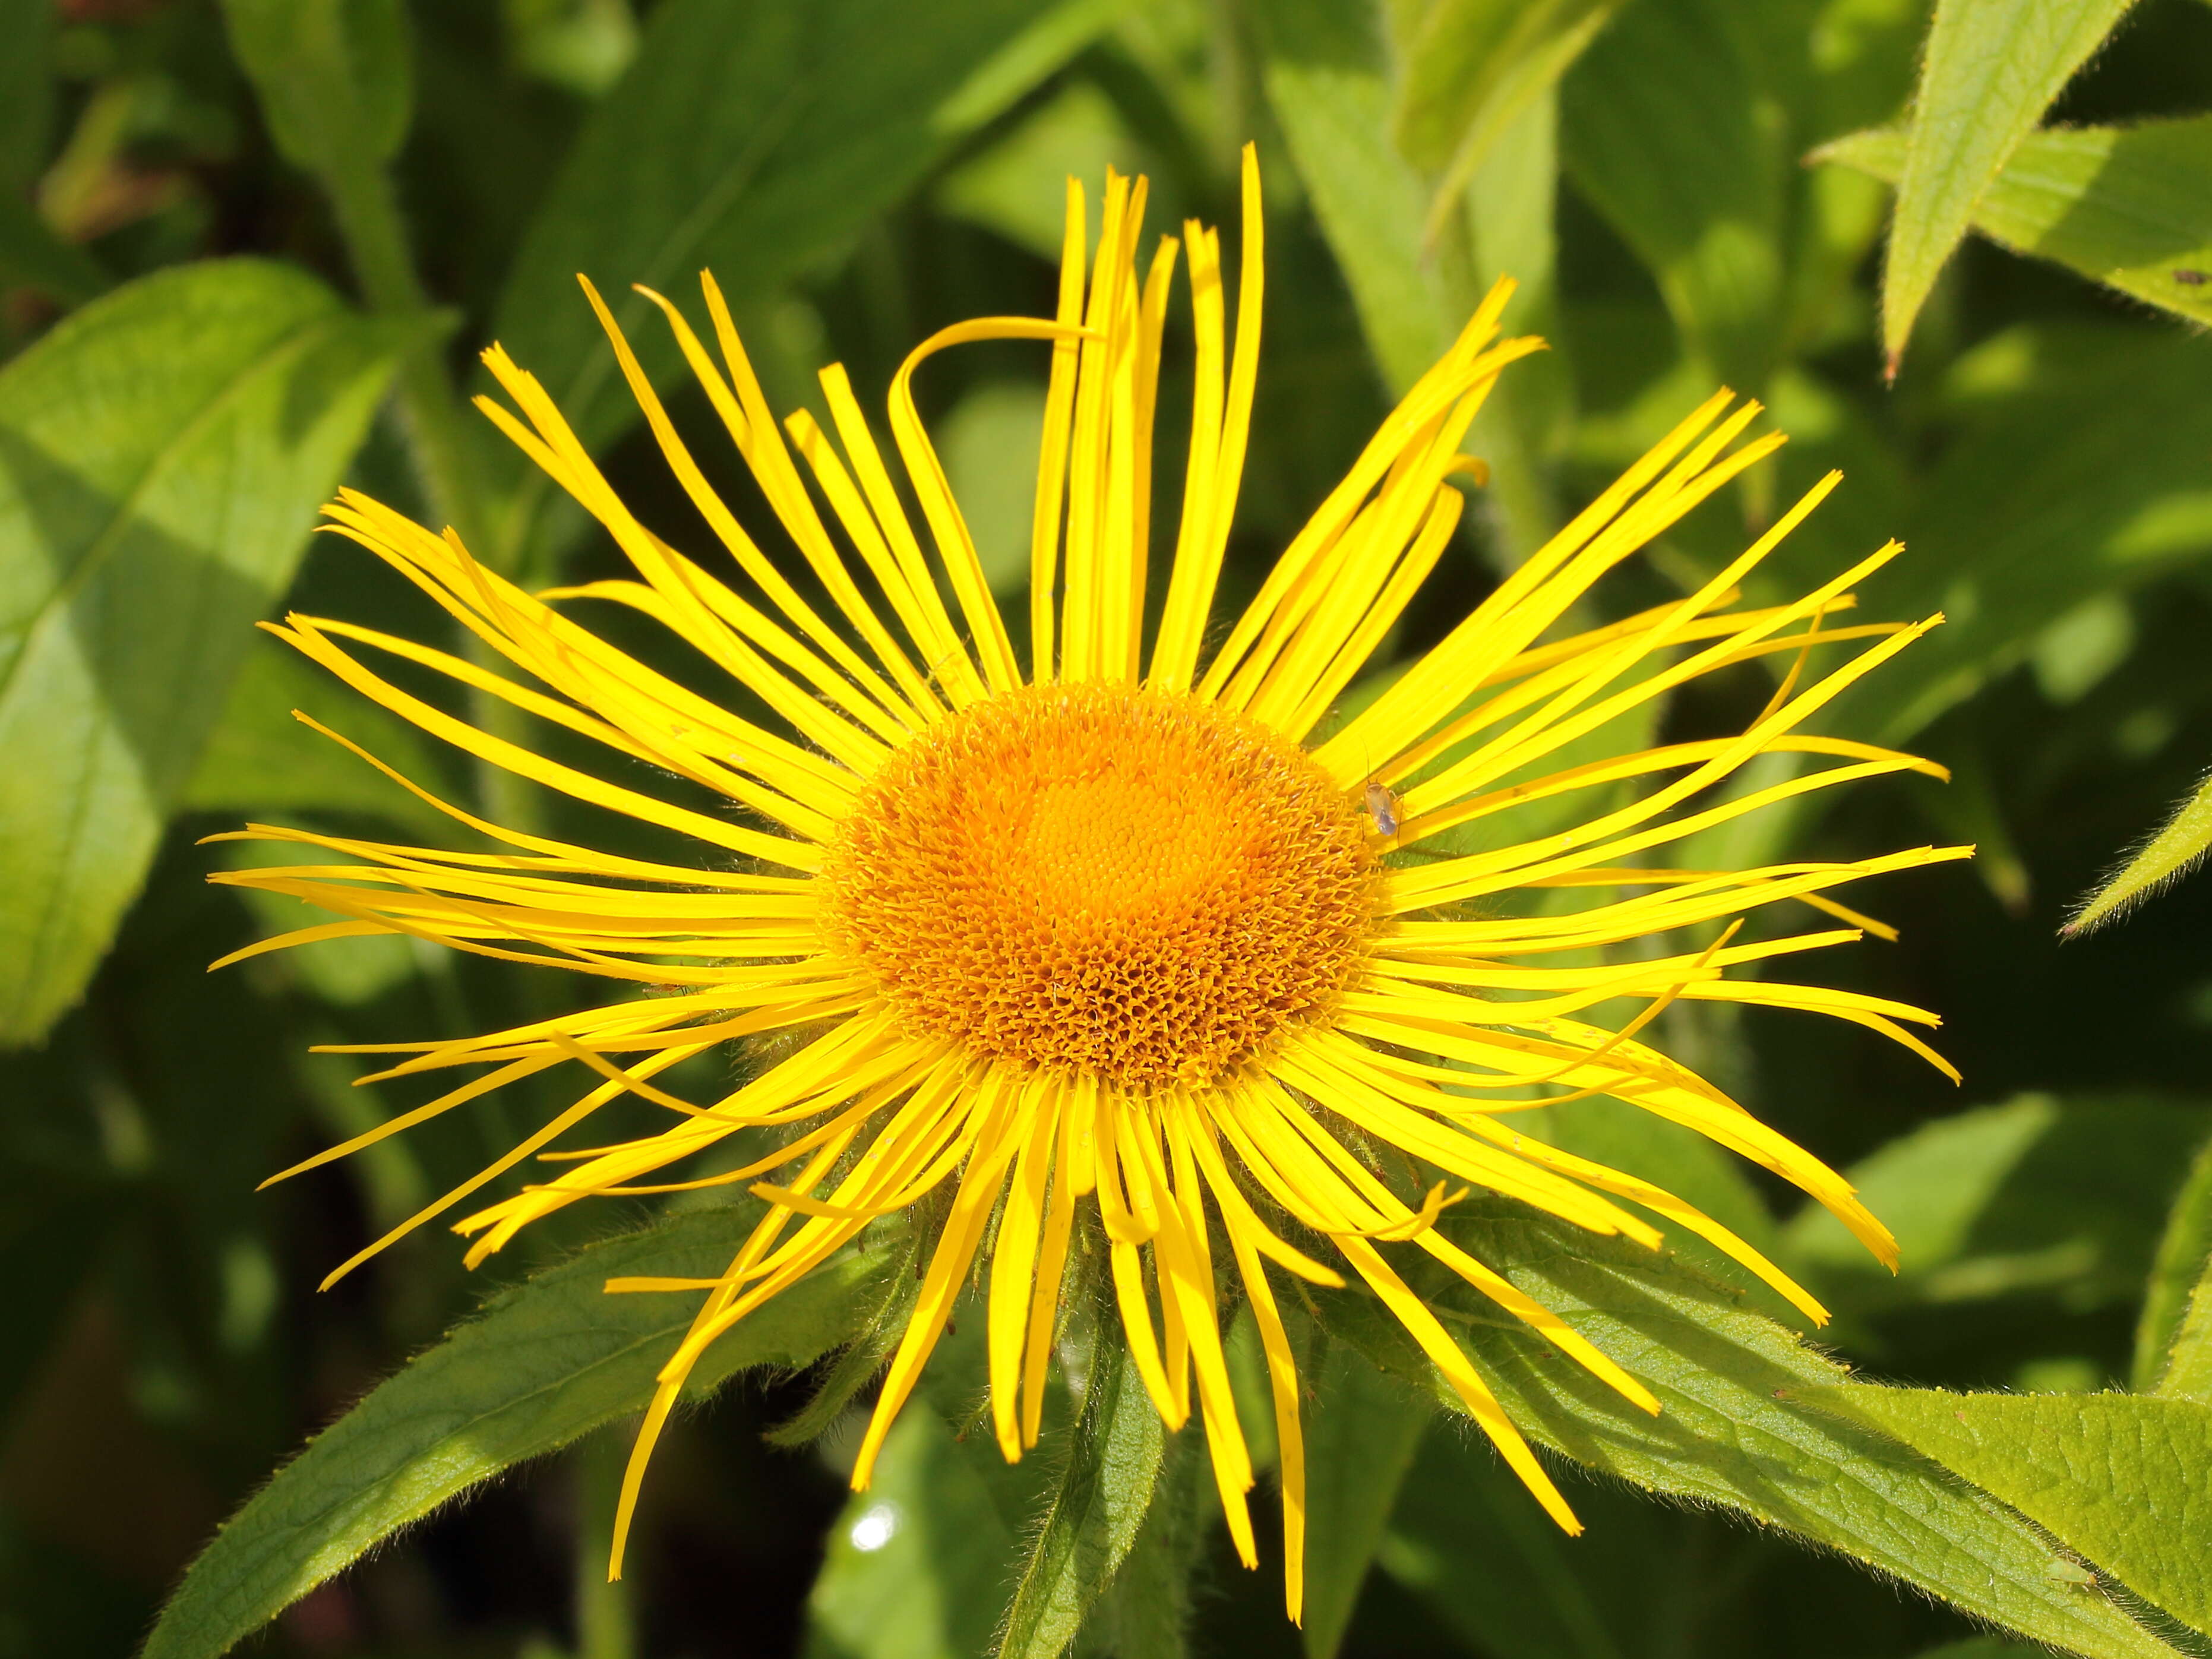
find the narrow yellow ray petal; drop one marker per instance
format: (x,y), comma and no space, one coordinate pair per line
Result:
(1052,446)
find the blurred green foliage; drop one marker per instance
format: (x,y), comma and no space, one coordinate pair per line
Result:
(245,251)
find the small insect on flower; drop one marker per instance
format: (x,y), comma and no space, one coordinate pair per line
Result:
(1382,810)
(1063,947)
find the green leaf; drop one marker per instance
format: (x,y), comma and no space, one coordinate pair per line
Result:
(2040,1195)
(545,1363)
(2036,507)
(758,141)
(1991,69)
(1465,1540)
(916,1567)
(2173,1342)
(2129,207)
(32,255)
(1473,69)
(1733,1431)
(162,453)
(1017,186)
(1323,66)
(1360,1435)
(1664,126)
(2118,1478)
(2163,859)
(333,75)
(1098,1504)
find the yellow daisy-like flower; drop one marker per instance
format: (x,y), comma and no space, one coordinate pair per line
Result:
(1120,941)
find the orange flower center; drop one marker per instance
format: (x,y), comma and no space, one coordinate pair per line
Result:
(1104,879)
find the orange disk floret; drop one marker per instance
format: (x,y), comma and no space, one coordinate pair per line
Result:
(1124,882)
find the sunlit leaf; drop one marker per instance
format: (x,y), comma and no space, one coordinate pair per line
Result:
(161,454)
(2044,1195)
(2118,1479)
(1991,67)
(2130,206)
(759,141)
(545,1364)
(1733,1431)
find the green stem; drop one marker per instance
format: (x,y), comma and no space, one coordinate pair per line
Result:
(606,1613)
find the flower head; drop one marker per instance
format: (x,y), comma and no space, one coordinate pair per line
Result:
(1118,936)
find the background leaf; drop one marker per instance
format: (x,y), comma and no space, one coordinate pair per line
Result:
(545,1364)
(333,75)
(2129,207)
(757,141)
(1991,67)
(1661,127)
(1474,68)
(1361,1431)
(2117,1477)
(1732,1430)
(2043,1195)
(32,256)
(161,454)
(2184,1253)
(2033,509)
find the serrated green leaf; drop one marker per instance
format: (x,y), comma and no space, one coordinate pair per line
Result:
(2118,1478)
(162,453)
(1991,69)
(1734,1430)
(2043,1195)
(2173,1342)
(334,77)
(1361,1429)
(1098,1506)
(545,1363)
(1662,126)
(1473,68)
(2163,859)
(2129,207)
(757,141)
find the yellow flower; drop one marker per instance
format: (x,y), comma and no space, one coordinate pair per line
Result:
(1122,936)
